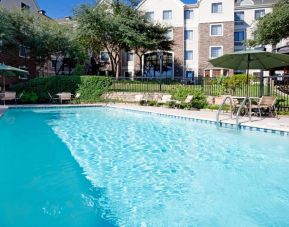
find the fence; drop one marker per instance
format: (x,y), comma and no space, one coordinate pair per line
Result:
(274,86)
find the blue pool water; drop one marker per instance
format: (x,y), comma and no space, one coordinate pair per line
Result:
(109,167)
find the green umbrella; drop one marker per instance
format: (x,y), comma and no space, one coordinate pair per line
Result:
(251,59)
(6,70)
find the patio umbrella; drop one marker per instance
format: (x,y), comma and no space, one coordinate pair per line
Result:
(251,59)
(6,70)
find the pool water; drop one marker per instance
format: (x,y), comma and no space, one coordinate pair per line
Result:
(112,167)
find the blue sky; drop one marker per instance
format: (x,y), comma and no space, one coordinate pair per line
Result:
(62,8)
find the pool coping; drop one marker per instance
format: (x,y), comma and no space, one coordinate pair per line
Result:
(159,111)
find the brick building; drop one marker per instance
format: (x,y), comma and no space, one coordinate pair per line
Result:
(19,57)
(201,31)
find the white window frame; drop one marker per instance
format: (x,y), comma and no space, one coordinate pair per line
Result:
(210,50)
(212,7)
(26,48)
(222,26)
(150,13)
(189,30)
(169,10)
(100,56)
(190,10)
(263,10)
(172,31)
(192,55)
(127,56)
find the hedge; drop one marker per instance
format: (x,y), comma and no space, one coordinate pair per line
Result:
(90,87)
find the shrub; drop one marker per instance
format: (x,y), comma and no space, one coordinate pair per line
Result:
(90,87)
(181,92)
(29,97)
(78,70)
(152,102)
(142,102)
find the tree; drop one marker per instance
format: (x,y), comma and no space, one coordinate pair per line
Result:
(42,36)
(115,27)
(273,27)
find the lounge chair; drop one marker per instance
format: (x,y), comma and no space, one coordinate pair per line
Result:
(187,101)
(266,103)
(8,96)
(52,98)
(140,98)
(165,99)
(77,96)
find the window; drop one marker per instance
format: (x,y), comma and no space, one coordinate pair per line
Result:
(190,74)
(189,55)
(217,7)
(239,16)
(24,52)
(24,76)
(188,34)
(216,51)
(169,35)
(259,13)
(189,14)
(150,15)
(239,37)
(129,56)
(104,57)
(167,14)
(216,29)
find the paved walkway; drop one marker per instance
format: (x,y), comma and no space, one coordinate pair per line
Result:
(281,124)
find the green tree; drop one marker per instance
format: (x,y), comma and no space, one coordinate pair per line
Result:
(116,27)
(44,37)
(273,27)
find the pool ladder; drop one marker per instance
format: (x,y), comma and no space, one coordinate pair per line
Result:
(247,99)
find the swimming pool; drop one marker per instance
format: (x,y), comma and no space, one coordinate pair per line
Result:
(112,167)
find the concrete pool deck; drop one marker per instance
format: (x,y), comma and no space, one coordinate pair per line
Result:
(281,124)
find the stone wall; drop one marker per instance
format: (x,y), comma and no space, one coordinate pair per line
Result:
(130,96)
(205,41)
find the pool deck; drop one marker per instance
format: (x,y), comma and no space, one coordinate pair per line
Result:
(2,110)
(281,124)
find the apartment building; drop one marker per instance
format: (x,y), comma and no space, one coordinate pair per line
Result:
(19,57)
(201,30)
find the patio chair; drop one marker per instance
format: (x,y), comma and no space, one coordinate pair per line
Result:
(165,99)
(52,98)
(187,101)
(140,98)
(64,96)
(266,103)
(8,96)
(77,96)
(19,97)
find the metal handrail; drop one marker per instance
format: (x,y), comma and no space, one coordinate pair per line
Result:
(221,107)
(240,108)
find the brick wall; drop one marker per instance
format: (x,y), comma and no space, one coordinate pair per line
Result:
(205,41)
(12,58)
(178,49)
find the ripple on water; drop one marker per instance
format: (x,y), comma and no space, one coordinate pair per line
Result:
(157,171)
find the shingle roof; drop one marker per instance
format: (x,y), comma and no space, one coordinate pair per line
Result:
(257,2)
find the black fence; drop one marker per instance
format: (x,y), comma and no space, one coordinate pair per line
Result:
(274,86)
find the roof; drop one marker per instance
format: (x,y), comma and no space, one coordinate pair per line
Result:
(254,2)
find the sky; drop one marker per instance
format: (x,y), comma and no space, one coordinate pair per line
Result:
(62,8)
